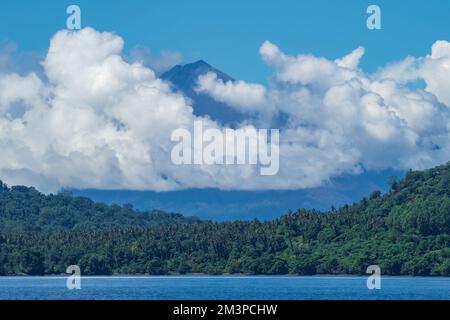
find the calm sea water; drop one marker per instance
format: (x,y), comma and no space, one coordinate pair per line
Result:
(225,287)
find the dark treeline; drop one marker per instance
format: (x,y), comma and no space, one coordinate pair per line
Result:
(405,232)
(23,208)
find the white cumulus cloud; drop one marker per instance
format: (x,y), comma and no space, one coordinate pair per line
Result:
(239,94)
(95,120)
(365,121)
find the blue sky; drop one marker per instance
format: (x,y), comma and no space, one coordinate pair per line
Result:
(228,34)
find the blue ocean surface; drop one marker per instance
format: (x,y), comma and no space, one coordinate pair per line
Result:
(225,287)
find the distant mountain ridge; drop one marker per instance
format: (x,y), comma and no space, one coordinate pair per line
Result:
(184,78)
(230,205)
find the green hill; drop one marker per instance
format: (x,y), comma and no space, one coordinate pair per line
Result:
(23,208)
(405,232)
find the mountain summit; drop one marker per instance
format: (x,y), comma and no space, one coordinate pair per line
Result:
(184,78)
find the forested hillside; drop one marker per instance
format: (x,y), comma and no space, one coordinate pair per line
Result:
(23,208)
(406,231)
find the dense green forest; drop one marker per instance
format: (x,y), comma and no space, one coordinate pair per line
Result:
(405,231)
(23,208)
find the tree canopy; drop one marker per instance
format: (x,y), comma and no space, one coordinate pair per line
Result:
(405,231)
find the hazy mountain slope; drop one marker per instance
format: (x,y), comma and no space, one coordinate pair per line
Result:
(184,78)
(226,205)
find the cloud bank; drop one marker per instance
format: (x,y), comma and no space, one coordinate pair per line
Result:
(94,120)
(340,119)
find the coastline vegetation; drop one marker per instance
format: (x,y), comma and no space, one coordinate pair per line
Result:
(405,231)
